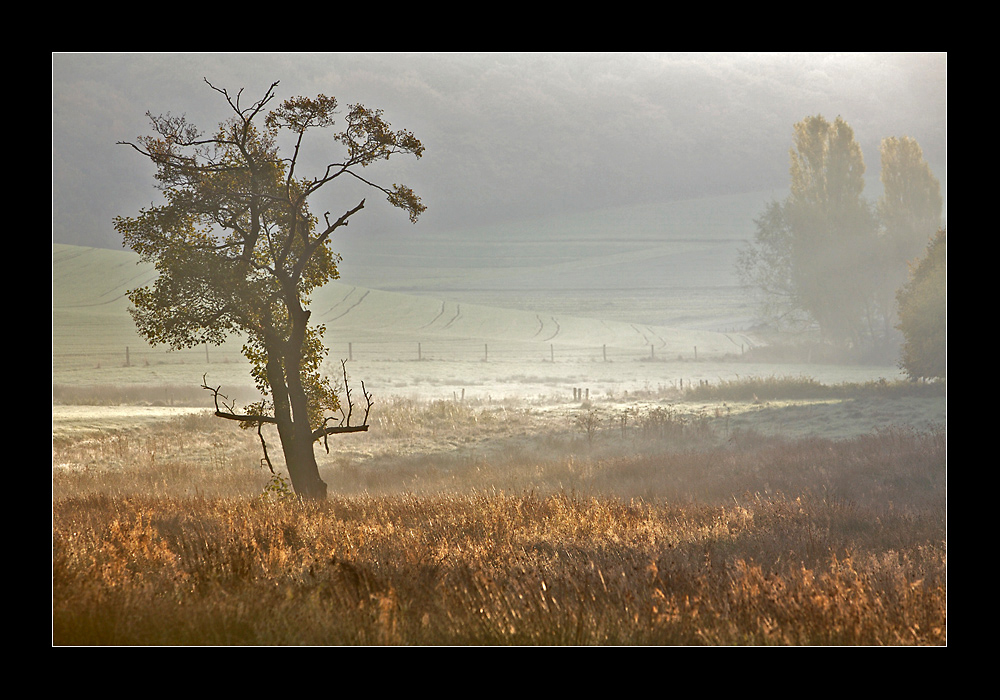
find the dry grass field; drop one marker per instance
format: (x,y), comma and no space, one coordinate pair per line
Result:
(666,519)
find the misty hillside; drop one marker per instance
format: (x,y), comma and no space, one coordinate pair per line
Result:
(650,279)
(509,136)
(668,264)
(90,316)
(552,300)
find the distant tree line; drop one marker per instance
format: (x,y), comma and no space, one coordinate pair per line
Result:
(826,257)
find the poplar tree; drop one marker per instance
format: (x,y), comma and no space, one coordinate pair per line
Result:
(811,256)
(832,230)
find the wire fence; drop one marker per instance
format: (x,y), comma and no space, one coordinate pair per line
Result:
(459,350)
(132,356)
(468,351)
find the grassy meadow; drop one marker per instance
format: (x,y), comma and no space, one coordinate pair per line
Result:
(661,522)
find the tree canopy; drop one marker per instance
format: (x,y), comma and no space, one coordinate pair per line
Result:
(238,250)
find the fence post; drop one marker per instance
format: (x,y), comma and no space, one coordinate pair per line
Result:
(350,351)
(127,362)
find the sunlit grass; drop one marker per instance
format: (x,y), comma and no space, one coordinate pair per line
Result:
(492,569)
(163,537)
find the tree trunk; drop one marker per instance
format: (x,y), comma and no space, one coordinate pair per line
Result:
(300,458)
(294,433)
(303,447)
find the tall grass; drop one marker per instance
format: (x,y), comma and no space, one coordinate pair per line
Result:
(492,569)
(168,539)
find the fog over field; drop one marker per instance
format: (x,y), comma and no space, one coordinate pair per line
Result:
(509,137)
(597,199)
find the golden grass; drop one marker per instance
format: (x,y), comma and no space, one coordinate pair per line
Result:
(165,539)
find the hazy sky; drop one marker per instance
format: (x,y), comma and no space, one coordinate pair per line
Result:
(508,136)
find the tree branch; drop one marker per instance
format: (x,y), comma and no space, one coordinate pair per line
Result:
(230,412)
(227,411)
(345,426)
(263,446)
(230,415)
